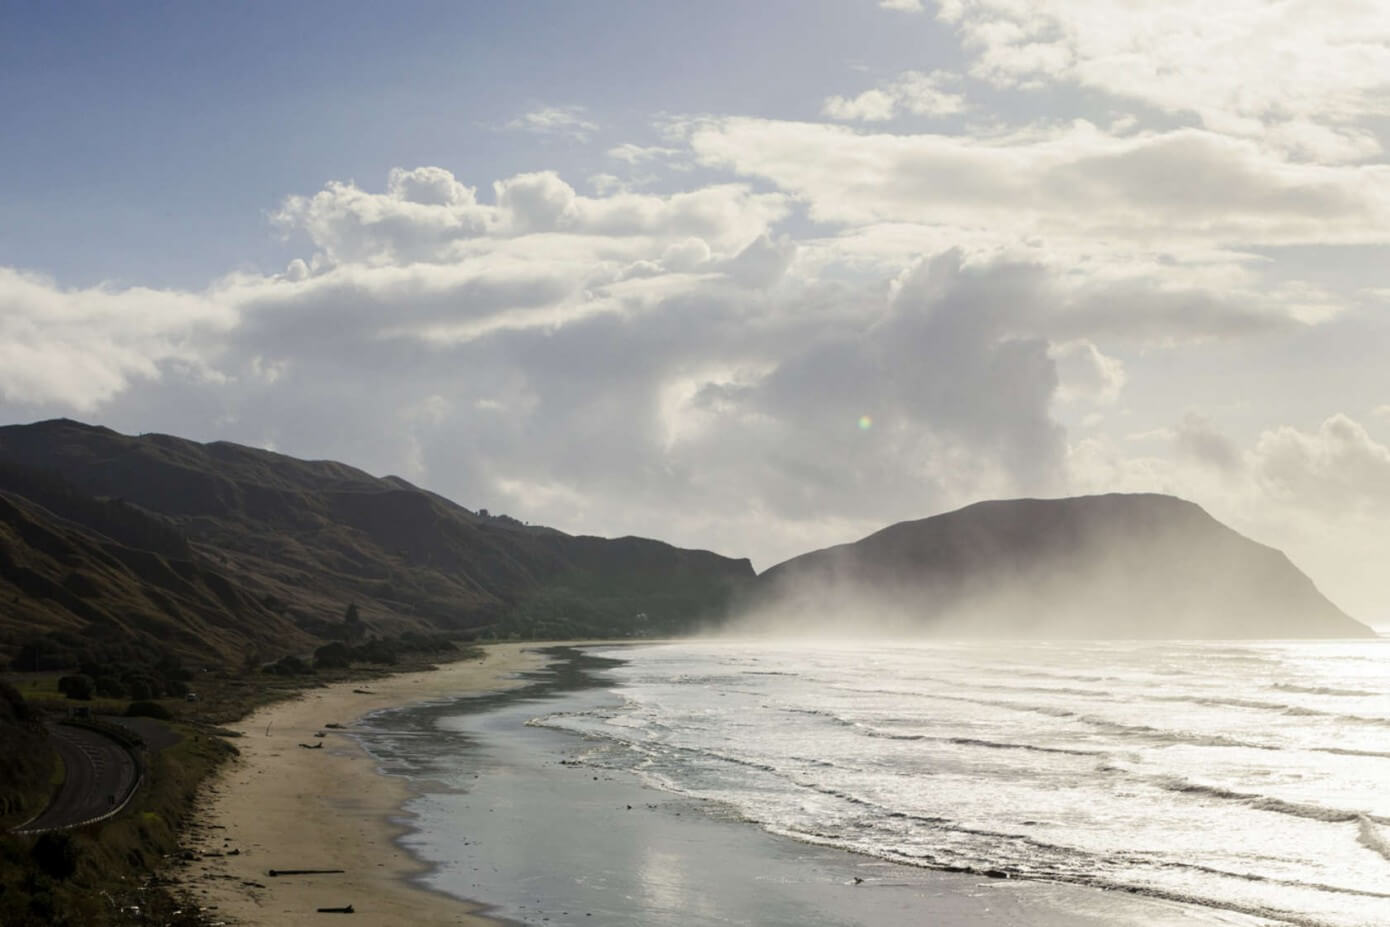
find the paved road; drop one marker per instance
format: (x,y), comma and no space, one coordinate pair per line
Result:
(99,775)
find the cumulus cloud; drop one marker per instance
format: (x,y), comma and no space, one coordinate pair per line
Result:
(80,347)
(911,92)
(427,216)
(1087,374)
(1336,469)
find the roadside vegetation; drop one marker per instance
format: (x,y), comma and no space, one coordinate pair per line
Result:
(116,872)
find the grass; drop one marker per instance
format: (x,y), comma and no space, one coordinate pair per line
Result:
(41,691)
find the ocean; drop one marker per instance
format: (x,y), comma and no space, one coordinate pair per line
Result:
(1249,779)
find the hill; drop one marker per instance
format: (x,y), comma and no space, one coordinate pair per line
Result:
(1112,566)
(227,554)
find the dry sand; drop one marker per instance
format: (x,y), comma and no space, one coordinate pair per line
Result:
(285,807)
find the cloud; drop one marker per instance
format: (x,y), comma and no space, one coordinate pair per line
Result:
(869,106)
(566,121)
(640,154)
(1087,374)
(1197,439)
(911,92)
(1337,469)
(1297,74)
(80,347)
(705,365)
(1176,187)
(426,215)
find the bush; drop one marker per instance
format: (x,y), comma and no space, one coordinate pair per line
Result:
(110,687)
(148,710)
(375,651)
(13,704)
(55,855)
(77,687)
(332,656)
(289,666)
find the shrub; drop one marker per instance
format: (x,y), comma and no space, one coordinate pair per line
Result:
(148,710)
(289,666)
(13,704)
(332,656)
(55,855)
(77,687)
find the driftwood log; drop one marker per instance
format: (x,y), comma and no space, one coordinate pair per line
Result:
(285,872)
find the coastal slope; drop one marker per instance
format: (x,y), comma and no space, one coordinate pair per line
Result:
(228,553)
(1109,566)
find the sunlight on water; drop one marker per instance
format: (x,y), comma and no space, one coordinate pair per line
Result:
(1243,776)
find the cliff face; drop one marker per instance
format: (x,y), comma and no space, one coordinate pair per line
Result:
(1113,566)
(225,551)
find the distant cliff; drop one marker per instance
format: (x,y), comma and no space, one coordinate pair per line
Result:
(1112,566)
(227,553)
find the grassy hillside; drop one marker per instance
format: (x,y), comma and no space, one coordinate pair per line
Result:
(233,555)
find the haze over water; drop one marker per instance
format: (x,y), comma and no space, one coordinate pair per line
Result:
(1243,776)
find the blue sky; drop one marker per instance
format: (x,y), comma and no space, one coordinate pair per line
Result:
(642,267)
(149,140)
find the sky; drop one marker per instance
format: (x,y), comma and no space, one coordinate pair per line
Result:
(757,278)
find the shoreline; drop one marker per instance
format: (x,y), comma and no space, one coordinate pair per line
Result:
(549,837)
(279,806)
(542,837)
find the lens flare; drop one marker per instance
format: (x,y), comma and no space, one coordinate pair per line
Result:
(865,422)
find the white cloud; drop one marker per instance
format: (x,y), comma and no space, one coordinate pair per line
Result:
(1339,468)
(1173,187)
(911,92)
(902,6)
(1297,73)
(426,215)
(1087,374)
(80,347)
(869,106)
(640,154)
(567,121)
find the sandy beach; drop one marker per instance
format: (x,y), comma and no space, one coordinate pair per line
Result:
(280,806)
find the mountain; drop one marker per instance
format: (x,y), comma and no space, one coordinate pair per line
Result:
(1111,566)
(226,553)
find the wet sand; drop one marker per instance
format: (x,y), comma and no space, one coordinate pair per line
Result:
(281,806)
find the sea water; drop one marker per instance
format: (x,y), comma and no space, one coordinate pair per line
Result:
(1244,777)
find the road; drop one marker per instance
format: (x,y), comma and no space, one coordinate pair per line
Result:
(99,775)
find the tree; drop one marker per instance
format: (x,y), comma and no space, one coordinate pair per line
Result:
(55,854)
(77,687)
(332,656)
(352,620)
